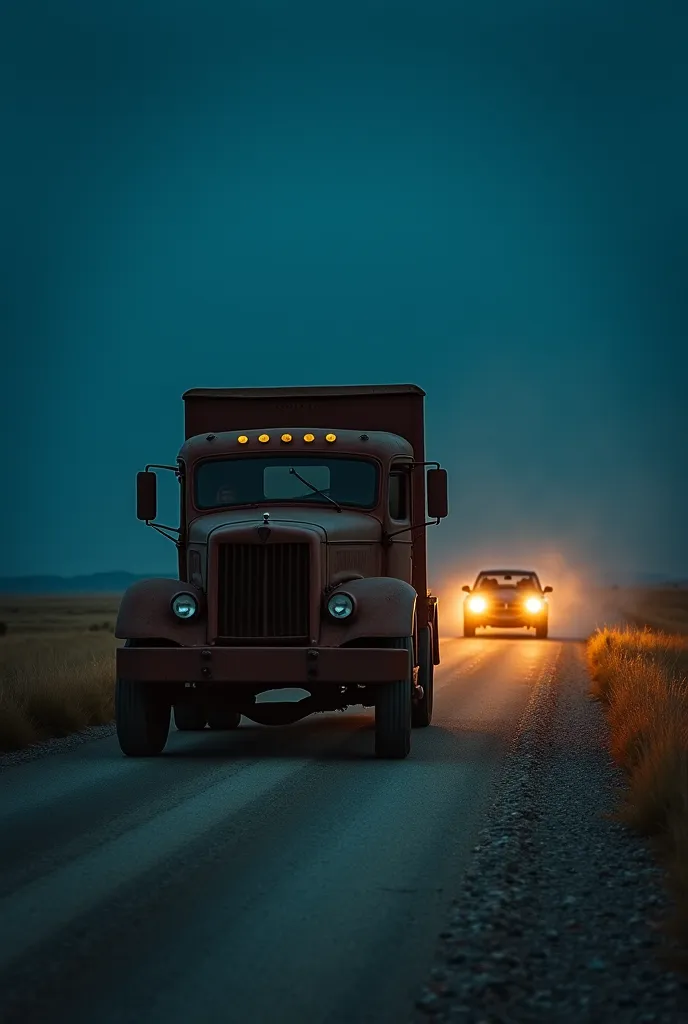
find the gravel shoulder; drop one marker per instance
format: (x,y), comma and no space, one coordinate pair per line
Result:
(558,918)
(60,745)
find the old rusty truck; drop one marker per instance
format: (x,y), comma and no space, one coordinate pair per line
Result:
(302,566)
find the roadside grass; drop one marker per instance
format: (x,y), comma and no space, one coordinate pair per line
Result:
(641,677)
(57,666)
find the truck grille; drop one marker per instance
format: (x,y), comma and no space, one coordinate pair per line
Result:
(263,591)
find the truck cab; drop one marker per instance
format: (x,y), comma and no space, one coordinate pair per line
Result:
(301,564)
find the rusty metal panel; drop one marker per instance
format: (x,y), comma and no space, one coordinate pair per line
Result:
(396,409)
(281,666)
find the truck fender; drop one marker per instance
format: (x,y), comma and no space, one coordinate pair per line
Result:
(145,613)
(385,607)
(433,622)
(435,636)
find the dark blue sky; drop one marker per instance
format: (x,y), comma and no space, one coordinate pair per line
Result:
(486,199)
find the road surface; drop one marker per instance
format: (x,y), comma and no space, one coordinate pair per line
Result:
(259,877)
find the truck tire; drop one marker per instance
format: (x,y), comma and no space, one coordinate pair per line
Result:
(189,717)
(393,710)
(542,631)
(422,709)
(468,628)
(223,721)
(142,718)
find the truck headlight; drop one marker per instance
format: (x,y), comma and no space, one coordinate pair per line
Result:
(477,604)
(340,606)
(533,605)
(184,606)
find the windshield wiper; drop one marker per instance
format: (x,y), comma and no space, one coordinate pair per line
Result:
(316,490)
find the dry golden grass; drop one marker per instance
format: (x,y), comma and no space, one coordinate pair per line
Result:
(57,666)
(642,678)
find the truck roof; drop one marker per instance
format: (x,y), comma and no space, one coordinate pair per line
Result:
(225,444)
(305,392)
(395,408)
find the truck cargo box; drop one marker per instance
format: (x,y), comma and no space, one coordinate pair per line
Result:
(395,408)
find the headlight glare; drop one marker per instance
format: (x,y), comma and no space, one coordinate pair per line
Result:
(340,606)
(534,604)
(184,606)
(477,604)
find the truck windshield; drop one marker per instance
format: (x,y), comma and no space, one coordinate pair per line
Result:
(249,481)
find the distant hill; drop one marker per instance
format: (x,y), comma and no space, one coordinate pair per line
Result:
(95,583)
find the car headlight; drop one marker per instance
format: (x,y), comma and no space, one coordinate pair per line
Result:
(340,606)
(534,604)
(477,604)
(184,606)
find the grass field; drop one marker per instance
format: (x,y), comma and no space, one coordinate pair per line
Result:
(641,676)
(663,608)
(57,666)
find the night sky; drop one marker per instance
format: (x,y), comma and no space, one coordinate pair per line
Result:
(487,199)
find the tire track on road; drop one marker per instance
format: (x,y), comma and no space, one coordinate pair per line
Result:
(290,872)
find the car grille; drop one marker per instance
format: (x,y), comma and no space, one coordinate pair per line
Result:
(263,591)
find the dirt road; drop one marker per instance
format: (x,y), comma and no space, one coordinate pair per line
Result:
(268,875)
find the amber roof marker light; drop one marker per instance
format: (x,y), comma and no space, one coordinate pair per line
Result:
(330,437)
(263,438)
(242,439)
(286,438)
(309,437)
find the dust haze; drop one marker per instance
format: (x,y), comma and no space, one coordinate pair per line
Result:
(580,602)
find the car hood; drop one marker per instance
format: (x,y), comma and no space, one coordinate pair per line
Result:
(506,594)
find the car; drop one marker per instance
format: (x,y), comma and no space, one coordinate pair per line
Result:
(507,599)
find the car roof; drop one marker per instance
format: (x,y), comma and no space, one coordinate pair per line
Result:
(507,572)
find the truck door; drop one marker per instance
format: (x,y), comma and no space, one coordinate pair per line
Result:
(399,554)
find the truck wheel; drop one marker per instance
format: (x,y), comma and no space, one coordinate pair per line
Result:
(541,631)
(143,719)
(422,709)
(468,628)
(223,721)
(393,710)
(189,717)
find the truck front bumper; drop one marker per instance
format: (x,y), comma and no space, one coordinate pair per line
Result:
(281,666)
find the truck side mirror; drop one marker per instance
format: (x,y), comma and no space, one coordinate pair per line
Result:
(467,589)
(437,493)
(146,496)
(547,590)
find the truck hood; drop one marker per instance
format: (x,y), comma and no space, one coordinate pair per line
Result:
(332,526)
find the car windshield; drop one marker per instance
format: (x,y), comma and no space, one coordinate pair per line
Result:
(255,481)
(522,580)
